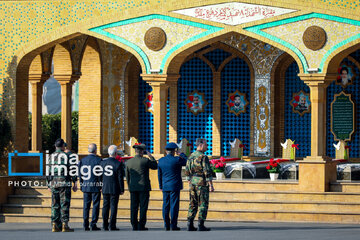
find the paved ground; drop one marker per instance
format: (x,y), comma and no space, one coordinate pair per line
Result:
(220,231)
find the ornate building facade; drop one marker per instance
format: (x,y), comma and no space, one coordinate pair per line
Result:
(167,70)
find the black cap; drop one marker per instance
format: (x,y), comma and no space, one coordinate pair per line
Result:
(140,146)
(171,146)
(60,142)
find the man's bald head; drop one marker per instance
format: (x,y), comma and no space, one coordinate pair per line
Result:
(92,148)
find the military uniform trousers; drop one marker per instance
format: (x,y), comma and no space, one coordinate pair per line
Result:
(199,199)
(93,197)
(170,206)
(110,202)
(60,205)
(139,198)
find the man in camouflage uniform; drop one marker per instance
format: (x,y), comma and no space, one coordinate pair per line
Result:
(199,175)
(59,183)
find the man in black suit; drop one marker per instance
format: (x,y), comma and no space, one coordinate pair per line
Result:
(91,187)
(113,185)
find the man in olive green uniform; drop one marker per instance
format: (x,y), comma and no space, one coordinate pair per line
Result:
(137,177)
(59,182)
(199,174)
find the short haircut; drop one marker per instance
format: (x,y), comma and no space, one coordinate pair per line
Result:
(200,141)
(92,148)
(112,150)
(59,143)
(237,96)
(170,151)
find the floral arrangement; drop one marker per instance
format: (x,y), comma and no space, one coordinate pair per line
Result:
(273,166)
(218,165)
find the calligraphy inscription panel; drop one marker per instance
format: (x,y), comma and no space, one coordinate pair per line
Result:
(234,13)
(342,117)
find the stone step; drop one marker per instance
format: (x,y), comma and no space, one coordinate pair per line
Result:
(235,195)
(226,184)
(345,187)
(45,201)
(249,215)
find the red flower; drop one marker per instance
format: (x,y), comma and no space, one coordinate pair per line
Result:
(222,158)
(268,167)
(150,97)
(217,166)
(232,97)
(339,70)
(295,146)
(148,104)
(275,165)
(231,104)
(295,104)
(297,98)
(191,98)
(338,77)
(271,160)
(190,105)
(278,161)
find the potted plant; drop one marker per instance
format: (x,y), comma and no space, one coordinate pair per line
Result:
(218,167)
(273,168)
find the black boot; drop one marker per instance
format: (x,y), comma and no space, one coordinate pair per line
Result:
(190,226)
(202,227)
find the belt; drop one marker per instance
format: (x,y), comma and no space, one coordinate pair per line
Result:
(198,175)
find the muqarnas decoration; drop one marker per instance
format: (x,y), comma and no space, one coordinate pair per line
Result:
(237,102)
(148,102)
(195,102)
(346,75)
(301,103)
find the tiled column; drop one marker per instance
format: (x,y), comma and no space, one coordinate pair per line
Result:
(66,82)
(216,126)
(160,94)
(173,98)
(37,82)
(317,171)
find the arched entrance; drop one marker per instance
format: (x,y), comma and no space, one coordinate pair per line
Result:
(100,69)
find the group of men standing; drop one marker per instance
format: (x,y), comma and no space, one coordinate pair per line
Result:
(136,171)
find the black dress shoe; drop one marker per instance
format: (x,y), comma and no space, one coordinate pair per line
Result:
(114,229)
(95,228)
(143,229)
(86,229)
(105,229)
(167,228)
(175,229)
